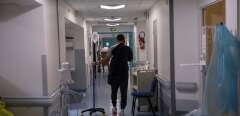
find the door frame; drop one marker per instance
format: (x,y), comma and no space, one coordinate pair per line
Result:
(209,29)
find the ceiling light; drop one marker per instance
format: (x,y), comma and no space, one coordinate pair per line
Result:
(112,25)
(114,7)
(113,19)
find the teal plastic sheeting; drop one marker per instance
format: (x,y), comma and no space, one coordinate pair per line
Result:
(220,92)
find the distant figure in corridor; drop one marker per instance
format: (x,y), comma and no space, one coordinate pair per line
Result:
(120,55)
(104,58)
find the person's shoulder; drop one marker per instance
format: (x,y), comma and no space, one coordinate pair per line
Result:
(111,48)
(127,47)
(114,46)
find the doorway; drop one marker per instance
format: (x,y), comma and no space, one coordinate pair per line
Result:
(75,55)
(212,15)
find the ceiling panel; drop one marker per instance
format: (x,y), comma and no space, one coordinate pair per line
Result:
(91,8)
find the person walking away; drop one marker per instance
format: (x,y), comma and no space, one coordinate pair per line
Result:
(118,72)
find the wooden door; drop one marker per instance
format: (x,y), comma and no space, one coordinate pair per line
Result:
(212,15)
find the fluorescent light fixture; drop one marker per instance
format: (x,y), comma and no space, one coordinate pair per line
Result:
(112,25)
(112,19)
(107,44)
(114,7)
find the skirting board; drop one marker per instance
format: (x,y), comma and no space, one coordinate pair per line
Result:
(181,104)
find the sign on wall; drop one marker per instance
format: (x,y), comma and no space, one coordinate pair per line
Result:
(113,29)
(141,40)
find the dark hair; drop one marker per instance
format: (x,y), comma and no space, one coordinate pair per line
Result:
(120,37)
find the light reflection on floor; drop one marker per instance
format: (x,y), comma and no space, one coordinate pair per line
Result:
(102,100)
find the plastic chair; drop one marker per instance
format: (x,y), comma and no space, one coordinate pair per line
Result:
(144,94)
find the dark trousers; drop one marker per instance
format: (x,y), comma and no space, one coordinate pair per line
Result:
(123,85)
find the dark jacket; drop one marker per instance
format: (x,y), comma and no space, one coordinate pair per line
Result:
(118,71)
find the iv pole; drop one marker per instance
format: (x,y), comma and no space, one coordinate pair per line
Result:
(94,67)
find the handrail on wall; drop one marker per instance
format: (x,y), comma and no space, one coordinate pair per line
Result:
(186,87)
(39,101)
(35,101)
(27,101)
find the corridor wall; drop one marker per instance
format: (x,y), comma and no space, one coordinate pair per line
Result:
(187,29)
(186,23)
(160,14)
(51,30)
(51,44)
(231,15)
(30,52)
(186,36)
(75,55)
(22,47)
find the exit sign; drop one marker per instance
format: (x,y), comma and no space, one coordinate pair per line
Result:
(113,29)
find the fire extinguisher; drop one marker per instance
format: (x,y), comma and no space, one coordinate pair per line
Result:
(141,40)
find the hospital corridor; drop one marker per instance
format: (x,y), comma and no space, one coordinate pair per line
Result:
(119,57)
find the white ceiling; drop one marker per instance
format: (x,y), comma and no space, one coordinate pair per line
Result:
(91,10)
(19,2)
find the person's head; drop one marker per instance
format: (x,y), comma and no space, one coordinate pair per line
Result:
(120,38)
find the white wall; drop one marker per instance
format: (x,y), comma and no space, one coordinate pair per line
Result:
(21,47)
(27,33)
(73,30)
(231,15)
(187,41)
(76,31)
(186,30)
(66,12)
(160,12)
(51,42)
(69,14)
(51,36)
